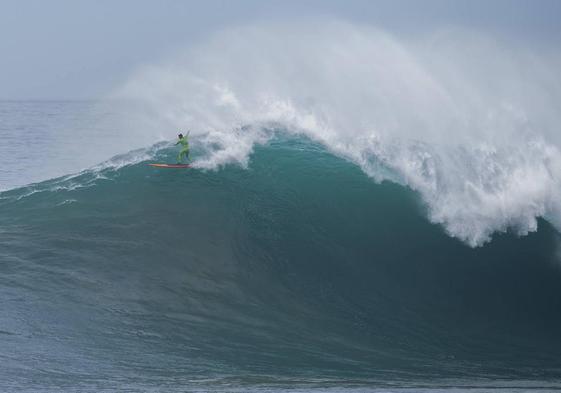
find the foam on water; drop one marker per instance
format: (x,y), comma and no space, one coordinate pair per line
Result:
(470,123)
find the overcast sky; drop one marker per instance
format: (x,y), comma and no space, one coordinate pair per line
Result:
(79,49)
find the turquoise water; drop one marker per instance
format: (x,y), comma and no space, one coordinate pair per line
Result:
(298,272)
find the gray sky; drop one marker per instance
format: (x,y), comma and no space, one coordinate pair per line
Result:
(75,49)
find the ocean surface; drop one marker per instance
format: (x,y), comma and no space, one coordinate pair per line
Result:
(292,269)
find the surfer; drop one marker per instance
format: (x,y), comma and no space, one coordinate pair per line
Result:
(184,142)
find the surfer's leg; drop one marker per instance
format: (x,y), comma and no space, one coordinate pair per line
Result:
(182,154)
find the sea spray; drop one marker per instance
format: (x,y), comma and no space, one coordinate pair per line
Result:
(469,122)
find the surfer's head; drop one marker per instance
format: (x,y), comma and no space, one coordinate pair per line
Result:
(180,136)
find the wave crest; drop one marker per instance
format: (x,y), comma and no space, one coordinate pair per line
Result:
(468,122)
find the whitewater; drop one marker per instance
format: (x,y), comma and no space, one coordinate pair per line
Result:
(469,122)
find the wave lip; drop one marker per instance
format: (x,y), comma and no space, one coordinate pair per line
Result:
(477,191)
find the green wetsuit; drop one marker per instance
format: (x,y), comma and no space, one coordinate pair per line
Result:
(184,149)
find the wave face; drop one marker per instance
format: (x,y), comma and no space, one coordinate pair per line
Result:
(469,121)
(296,271)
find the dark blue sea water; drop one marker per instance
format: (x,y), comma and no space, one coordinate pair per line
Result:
(296,273)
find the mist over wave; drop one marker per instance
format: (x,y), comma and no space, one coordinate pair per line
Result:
(469,122)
